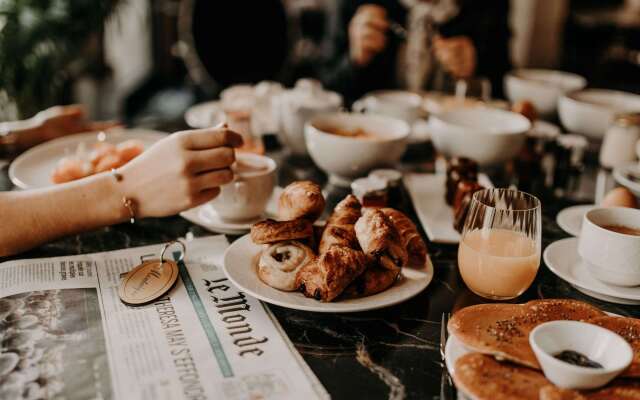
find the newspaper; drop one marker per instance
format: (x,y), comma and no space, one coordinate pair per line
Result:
(66,335)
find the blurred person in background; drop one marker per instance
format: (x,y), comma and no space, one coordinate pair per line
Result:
(416,44)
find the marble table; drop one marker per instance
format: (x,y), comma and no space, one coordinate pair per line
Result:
(386,354)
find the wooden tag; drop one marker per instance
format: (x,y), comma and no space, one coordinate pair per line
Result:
(147,282)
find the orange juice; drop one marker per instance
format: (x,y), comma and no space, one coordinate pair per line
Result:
(498,263)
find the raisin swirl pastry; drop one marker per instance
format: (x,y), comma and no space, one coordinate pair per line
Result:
(279,264)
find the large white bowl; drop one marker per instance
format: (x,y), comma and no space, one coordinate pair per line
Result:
(486,135)
(591,111)
(346,158)
(542,87)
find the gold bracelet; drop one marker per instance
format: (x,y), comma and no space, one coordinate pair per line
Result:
(128,203)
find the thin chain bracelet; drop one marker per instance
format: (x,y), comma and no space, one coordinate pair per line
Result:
(128,203)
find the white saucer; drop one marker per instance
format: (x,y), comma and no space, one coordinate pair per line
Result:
(562,258)
(621,175)
(239,266)
(207,217)
(570,218)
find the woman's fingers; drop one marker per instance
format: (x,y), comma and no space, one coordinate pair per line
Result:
(205,196)
(212,179)
(210,159)
(200,139)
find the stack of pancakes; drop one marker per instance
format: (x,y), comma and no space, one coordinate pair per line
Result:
(502,364)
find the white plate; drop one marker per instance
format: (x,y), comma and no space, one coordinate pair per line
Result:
(240,268)
(621,175)
(570,218)
(427,193)
(455,349)
(562,258)
(204,115)
(208,218)
(33,168)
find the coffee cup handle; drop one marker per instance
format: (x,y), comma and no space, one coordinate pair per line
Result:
(241,193)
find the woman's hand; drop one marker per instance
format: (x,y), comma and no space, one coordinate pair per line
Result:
(182,171)
(367,33)
(457,55)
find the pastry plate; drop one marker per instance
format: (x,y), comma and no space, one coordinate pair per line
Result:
(570,218)
(562,258)
(204,115)
(240,267)
(628,176)
(427,193)
(207,217)
(33,168)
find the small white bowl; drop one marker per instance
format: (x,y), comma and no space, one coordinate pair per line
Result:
(346,158)
(590,112)
(542,87)
(598,344)
(487,135)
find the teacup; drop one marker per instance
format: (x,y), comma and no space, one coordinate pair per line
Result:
(247,196)
(610,255)
(403,105)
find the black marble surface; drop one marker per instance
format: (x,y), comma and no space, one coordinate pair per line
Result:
(386,354)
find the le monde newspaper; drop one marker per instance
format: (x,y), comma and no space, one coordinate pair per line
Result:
(65,334)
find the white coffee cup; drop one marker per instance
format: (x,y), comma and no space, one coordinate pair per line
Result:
(610,256)
(247,196)
(400,104)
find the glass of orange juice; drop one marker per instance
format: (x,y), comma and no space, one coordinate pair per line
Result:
(499,251)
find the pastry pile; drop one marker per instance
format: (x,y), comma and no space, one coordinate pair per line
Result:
(359,252)
(502,364)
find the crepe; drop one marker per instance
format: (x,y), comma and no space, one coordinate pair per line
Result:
(483,378)
(618,390)
(629,329)
(502,330)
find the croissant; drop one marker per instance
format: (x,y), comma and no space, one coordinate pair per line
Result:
(340,225)
(302,199)
(334,270)
(380,240)
(374,279)
(416,248)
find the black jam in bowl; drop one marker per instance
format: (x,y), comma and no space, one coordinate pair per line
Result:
(575,358)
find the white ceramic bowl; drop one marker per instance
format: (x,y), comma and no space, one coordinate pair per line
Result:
(346,158)
(400,104)
(597,343)
(611,257)
(487,135)
(591,111)
(542,87)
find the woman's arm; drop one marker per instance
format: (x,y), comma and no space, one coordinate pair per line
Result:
(179,172)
